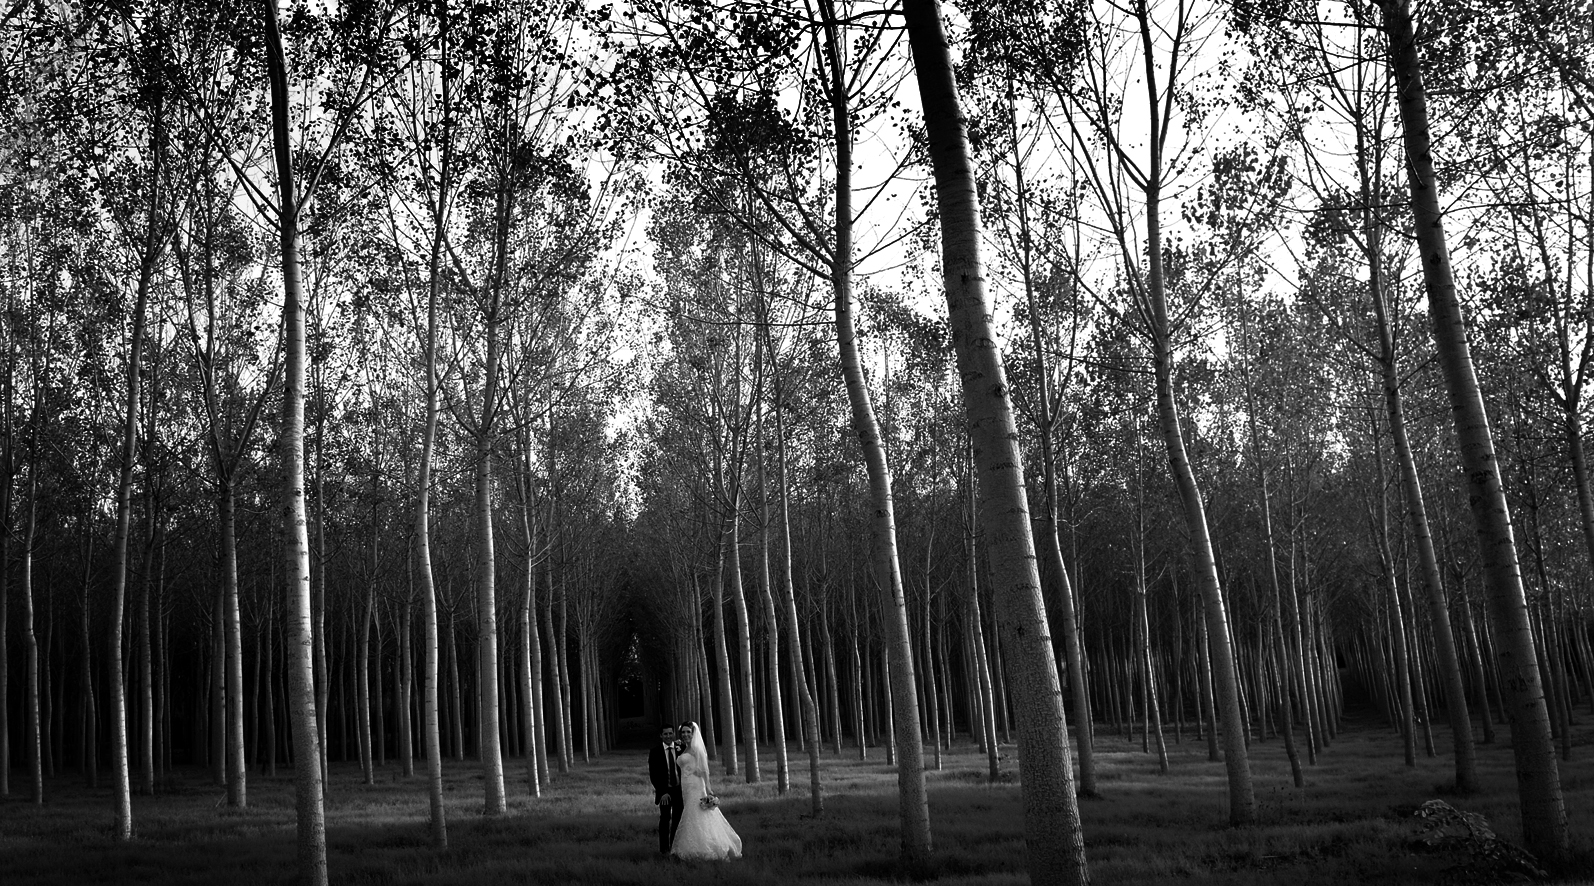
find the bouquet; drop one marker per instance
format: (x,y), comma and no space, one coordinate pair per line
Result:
(709,801)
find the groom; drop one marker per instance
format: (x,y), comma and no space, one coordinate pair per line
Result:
(666,777)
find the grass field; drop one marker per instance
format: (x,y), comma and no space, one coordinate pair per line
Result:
(1352,823)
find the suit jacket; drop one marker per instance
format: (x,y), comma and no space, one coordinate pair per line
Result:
(659,766)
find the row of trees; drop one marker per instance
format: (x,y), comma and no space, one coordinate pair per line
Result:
(552,396)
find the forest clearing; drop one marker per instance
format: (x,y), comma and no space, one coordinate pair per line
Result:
(1352,823)
(407,404)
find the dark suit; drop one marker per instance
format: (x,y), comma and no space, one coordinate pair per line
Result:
(666,792)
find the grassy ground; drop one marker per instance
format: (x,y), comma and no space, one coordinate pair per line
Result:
(1351,824)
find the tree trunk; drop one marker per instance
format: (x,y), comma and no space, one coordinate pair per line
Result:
(944,654)
(534,719)
(54,690)
(979,661)
(1051,547)
(583,693)
(1572,422)
(932,698)
(321,665)
(30,643)
(1224,673)
(487,726)
(888,729)
(1475,661)
(722,662)
(456,691)
(1562,707)
(7,475)
(431,706)
(307,752)
(1177,683)
(704,689)
(123,827)
(1286,707)
(869,686)
(142,656)
(744,644)
(975,708)
(216,702)
(404,689)
(270,715)
(999,686)
(855,662)
(237,766)
(777,713)
(1210,714)
(347,699)
(492,761)
(826,643)
(1418,672)
(90,725)
(530,675)
(1323,690)
(253,736)
(1288,657)
(362,684)
(1300,674)
(1142,614)
(537,710)
(1544,821)
(556,676)
(982,673)
(1417,514)
(794,637)
(567,746)
(1053,834)
(591,692)
(913,802)
(1401,671)
(1153,709)
(1225,676)
(379,696)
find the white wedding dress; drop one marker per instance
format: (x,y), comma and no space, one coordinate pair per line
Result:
(703,833)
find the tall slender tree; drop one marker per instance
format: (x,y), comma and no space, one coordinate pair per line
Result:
(1054,837)
(310,806)
(1544,821)
(1161,40)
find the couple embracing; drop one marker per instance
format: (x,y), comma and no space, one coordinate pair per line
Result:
(691,825)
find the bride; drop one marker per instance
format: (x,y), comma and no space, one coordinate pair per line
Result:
(704,833)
